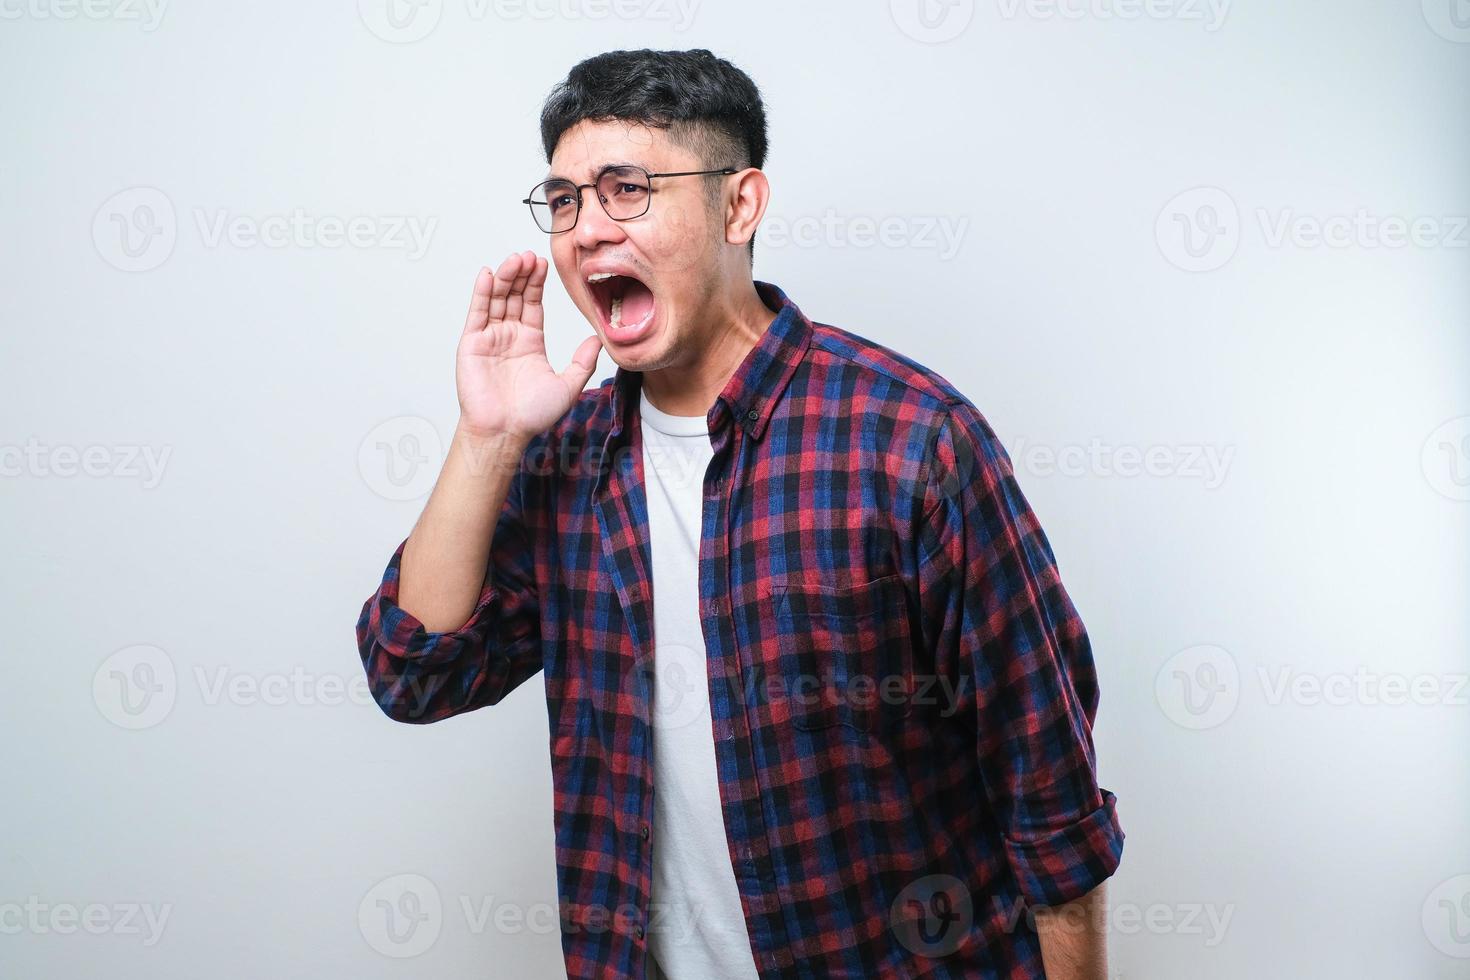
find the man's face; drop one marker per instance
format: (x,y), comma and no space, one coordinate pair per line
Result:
(665,259)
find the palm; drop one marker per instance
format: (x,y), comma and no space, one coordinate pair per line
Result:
(505,382)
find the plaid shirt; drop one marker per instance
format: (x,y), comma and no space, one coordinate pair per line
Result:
(901,692)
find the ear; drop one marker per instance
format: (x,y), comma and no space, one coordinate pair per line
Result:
(745,203)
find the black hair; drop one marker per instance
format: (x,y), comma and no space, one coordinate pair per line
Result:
(704,103)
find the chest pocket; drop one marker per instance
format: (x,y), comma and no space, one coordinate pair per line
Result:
(845,652)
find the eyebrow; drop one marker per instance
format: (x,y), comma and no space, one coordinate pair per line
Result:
(600,169)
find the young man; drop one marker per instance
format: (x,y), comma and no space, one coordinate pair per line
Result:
(819,703)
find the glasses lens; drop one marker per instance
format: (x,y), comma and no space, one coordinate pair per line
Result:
(624,192)
(554,205)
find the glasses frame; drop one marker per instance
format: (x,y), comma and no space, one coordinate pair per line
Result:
(600,200)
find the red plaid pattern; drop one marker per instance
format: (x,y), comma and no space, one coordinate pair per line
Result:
(901,691)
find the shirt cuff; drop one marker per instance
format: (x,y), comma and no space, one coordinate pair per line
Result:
(400,634)
(1066,864)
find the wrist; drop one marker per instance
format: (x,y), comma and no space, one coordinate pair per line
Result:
(488,450)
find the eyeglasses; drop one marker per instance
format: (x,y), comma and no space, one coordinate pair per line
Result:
(624,192)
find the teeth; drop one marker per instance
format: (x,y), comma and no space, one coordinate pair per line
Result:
(599,276)
(615,318)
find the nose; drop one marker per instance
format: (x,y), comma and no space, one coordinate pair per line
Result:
(593,224)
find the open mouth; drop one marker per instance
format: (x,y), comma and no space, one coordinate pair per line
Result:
(624,304)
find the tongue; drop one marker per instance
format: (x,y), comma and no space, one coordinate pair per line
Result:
(637,300)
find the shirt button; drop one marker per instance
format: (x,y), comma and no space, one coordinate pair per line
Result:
(638,931)
(643,831)
(752,415)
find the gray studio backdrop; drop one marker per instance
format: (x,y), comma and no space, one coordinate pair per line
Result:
(1201,263)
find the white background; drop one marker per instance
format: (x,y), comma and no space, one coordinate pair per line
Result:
(1280,634)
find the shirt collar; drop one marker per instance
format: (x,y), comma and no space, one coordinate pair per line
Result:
(757,384)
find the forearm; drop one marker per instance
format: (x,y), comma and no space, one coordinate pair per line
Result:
(1074,937)
(443,568)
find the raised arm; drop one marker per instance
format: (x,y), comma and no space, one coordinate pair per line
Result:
(453,623)
(508,393)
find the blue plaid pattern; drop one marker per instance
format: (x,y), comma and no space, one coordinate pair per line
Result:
(902,693)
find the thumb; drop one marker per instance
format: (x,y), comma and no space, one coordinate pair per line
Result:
(584,362)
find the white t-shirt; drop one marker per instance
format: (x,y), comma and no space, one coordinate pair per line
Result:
(697,923)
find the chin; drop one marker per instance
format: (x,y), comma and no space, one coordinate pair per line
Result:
(647,356)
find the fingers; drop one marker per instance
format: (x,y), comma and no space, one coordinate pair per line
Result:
(511,292)
(504,278)
(479,301)
(584,362)
(535,285)
(518,287)
(532,313)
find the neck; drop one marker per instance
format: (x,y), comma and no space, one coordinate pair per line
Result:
(691,386)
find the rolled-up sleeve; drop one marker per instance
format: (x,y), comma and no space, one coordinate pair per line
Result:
(1004,625)
(417,676)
